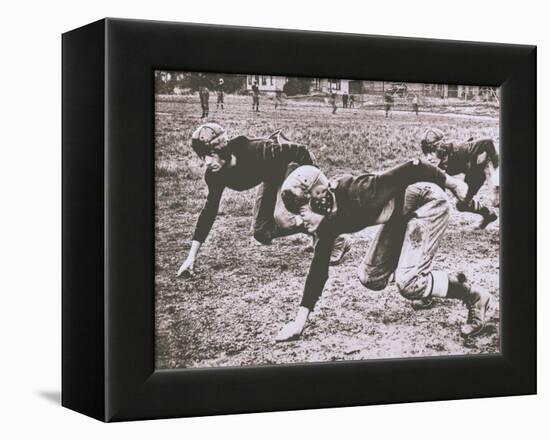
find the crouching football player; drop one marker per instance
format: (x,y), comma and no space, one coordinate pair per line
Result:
(410,203)
(241,164)
(477,159)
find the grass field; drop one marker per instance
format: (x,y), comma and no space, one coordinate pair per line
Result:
(242,293)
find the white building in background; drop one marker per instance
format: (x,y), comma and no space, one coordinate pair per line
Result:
(325,85)
(465,92)
(269,83)
(266,83)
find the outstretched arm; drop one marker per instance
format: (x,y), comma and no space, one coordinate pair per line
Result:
(315,283)
(202,229)
(187,269)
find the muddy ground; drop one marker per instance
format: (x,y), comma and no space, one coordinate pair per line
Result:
(242,293)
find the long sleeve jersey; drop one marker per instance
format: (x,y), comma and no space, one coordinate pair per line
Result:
(456,158)
(257,161)
(360,201)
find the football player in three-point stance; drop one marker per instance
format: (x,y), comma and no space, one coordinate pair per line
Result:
(240,164)
(477,159)
(410,204)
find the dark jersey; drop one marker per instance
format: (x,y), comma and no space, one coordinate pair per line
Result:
(257,161)
(456,158)
(360,201)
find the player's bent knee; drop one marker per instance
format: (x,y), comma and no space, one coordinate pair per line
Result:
(410,286)
(262,237)
(372,283)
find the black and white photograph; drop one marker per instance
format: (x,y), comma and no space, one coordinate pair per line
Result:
(232,220)
(307,220)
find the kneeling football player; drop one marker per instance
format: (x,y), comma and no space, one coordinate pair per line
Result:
(410,203)
(477,159)
(240,164)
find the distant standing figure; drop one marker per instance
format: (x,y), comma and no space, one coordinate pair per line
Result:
(388,101)
(219,90)
(204,95)
(255,96)
(345,97)
(351,101)
(278,98)
(333,102)
(415,104)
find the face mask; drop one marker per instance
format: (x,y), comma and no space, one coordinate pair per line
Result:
(322,205)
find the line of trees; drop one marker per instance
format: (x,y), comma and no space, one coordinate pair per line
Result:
(297,86)
(168,82)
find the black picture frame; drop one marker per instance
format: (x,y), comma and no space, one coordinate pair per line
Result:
(108,219)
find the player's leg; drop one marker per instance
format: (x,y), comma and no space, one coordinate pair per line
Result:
(414,277)
(202,105)
(427,207)
(475,178)
(382,257)
(285,223)
(263,226)
(493,180)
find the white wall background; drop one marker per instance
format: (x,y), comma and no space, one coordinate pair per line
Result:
(30,234)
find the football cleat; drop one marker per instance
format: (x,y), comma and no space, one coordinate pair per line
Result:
(488,218)
(478,304)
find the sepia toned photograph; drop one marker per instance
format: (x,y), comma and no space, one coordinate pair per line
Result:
(319,220)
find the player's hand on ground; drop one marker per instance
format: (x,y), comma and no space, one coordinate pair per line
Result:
(290,331)
(293,329)
(186,270)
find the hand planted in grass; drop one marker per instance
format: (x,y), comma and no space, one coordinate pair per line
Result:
(186,270)
(294,328)
(290,331)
